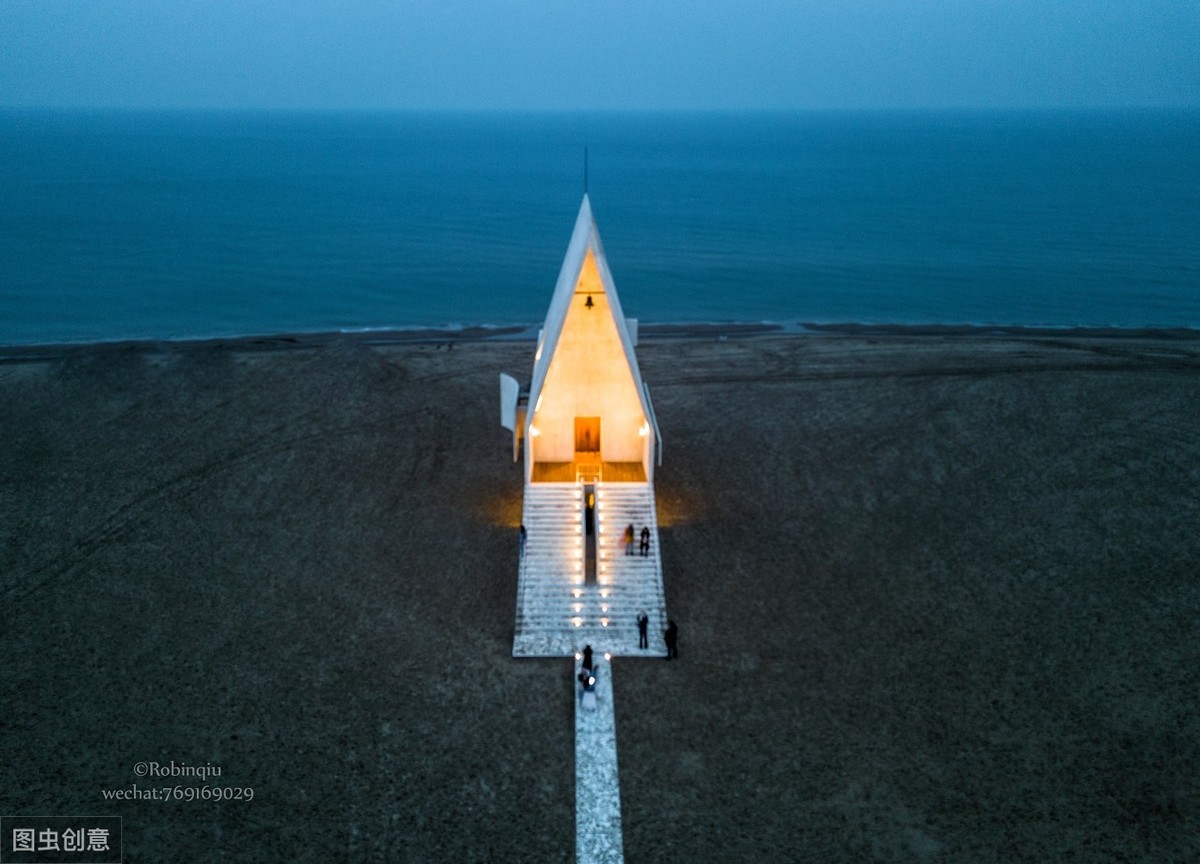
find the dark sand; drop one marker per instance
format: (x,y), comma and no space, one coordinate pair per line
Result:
(937,594)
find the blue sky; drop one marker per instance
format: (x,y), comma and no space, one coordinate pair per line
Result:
(600,54)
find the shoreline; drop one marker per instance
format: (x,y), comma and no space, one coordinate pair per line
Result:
(720,331)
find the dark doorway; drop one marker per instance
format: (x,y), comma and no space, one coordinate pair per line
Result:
(587,434)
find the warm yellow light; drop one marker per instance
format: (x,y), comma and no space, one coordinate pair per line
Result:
(579,607)
(644,429)
(602,609)
(534,432)
(578,622)
(603,622)
(577,593)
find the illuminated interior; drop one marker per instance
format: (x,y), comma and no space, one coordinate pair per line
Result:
(588,377)
(589,416)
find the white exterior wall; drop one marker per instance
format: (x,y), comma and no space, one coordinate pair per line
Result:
(648,454)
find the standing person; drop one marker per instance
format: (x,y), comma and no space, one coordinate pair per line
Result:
(671,637)
(643,622)
(645,546)
(629,539)
(587,693)
(587,657)
(523,537)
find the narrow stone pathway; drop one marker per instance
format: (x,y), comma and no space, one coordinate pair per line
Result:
(597,790)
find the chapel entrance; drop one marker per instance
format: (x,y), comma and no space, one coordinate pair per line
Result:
(587,437)
(587,448)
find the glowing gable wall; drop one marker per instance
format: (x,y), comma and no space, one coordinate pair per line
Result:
(585,366)
(589,376)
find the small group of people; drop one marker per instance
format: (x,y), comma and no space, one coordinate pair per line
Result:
(644,548)
(670,635)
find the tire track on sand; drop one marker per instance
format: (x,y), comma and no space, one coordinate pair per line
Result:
(184,482)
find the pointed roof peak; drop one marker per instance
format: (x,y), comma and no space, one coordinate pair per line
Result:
(585,236)
(585,211)
(585,239)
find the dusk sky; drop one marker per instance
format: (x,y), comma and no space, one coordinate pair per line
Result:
(600,54)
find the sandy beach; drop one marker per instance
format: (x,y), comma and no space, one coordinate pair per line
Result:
(936,592)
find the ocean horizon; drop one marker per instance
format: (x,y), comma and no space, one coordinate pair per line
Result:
(182,225)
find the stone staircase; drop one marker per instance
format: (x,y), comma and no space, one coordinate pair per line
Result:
(556,612)
(632,583)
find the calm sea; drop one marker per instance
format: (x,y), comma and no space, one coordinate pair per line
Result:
(123,225)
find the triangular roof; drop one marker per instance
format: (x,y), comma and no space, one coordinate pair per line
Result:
(585,237)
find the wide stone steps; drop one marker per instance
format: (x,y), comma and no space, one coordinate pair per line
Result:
(556,612)
(549,569)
